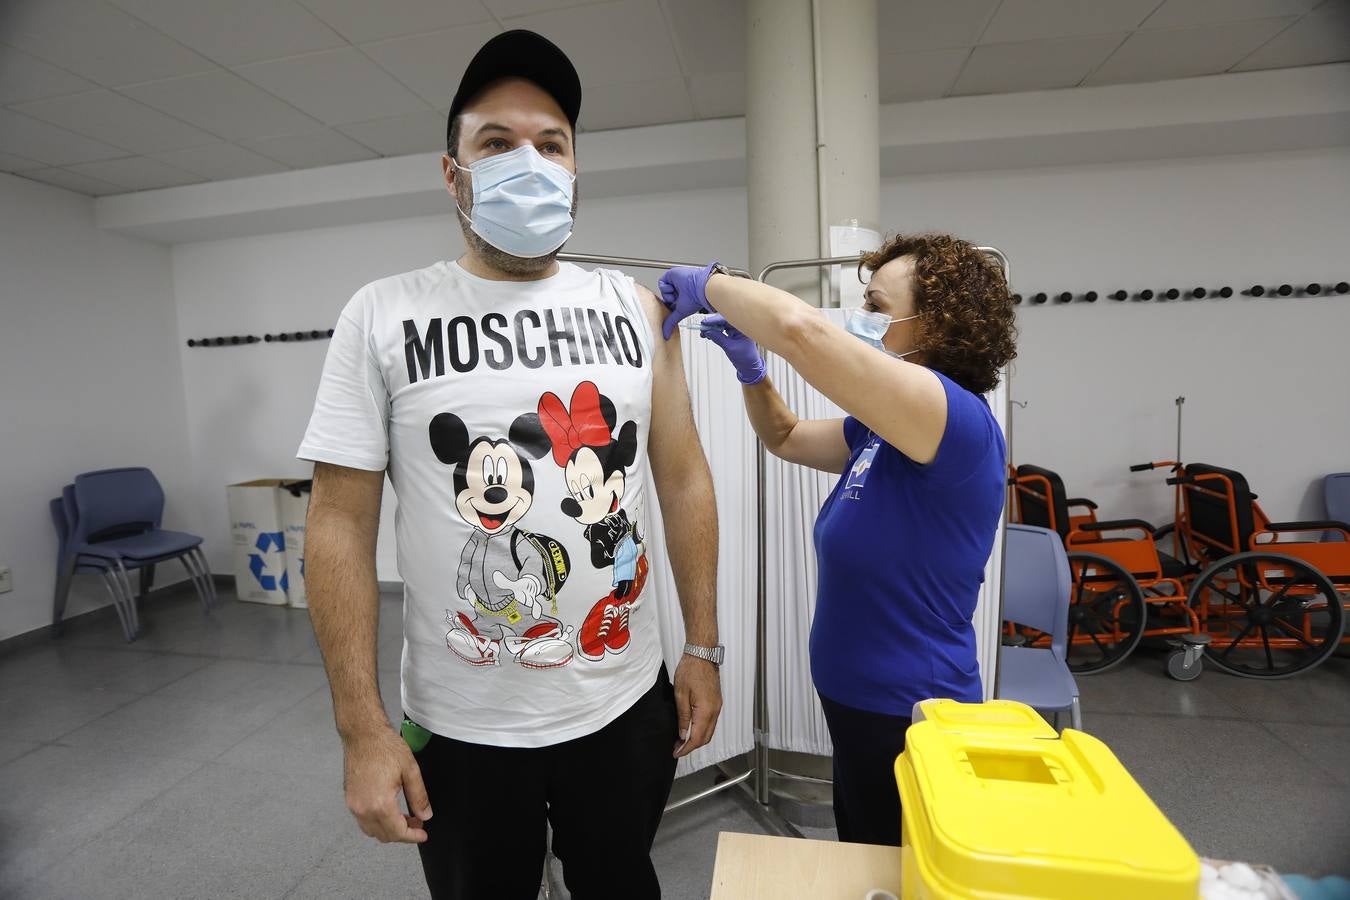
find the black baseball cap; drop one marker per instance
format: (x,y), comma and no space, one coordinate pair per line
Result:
(521,54)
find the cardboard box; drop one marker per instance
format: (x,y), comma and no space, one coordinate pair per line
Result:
(293,501)
(259,541)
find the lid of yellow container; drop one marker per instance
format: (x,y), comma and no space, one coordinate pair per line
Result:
(1007,717)
(1010,815)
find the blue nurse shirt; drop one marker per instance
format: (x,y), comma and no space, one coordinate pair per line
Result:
(901,549)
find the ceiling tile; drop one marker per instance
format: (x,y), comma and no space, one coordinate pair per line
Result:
(1033,65)
(431,64)
(1030,20)
(930,25)
(240,31)
(920,74)
(318,148)
(401,135)
(225,104)
(117,120)
(28,137)
(1182,52)
(631,105)
(1322,36)
(334,86)
(136,173)
(1183,13)
(718,96)
(704,50)
(220,162)
(73,181)
(506,9)
(25,77)
(95,39)
(636,46)
(12,163)
(361,20)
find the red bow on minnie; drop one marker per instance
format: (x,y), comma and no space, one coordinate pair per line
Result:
(584,426)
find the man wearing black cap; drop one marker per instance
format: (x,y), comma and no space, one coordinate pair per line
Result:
(513,402)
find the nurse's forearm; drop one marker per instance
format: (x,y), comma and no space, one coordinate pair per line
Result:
(771,418)
(774,319)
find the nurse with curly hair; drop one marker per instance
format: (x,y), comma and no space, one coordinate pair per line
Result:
(902,540)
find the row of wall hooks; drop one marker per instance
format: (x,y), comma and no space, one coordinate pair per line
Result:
(282,337)
(1257,290)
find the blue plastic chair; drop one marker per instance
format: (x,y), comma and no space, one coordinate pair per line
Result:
(1036,589)
(1336,491)
(110,523)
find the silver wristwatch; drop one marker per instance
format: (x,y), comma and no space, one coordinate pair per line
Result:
(710,654)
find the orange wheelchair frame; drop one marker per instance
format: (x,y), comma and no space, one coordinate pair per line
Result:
(1269,604)
(1123,589)
(1238,590)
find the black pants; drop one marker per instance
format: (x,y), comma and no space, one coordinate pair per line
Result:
(603,794)
(866,798)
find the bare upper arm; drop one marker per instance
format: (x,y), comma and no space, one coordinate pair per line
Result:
(818,443)
(673,442)
(348,495)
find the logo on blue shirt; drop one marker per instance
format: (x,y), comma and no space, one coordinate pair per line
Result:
(857,474)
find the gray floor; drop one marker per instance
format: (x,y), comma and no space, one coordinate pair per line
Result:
(200,761)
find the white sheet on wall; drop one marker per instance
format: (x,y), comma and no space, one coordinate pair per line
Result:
(729,444)
(794,496)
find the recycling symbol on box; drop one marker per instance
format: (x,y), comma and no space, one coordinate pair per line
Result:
(268,541)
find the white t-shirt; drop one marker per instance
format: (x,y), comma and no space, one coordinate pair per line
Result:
(513,420)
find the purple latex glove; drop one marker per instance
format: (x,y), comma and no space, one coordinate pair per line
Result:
(683,292)
(742,352)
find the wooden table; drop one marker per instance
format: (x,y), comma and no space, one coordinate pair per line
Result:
(763,867)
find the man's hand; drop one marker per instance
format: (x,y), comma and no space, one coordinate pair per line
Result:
(376,767)
(698,701)
(525,589)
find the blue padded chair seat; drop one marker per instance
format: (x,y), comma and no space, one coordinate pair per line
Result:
(1035,677)
(151,545)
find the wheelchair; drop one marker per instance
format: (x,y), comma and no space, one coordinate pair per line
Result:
(1270,597)
(1124,588)
(1239,590)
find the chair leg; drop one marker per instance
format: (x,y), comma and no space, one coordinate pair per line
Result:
(132,613)
(1076,716)
(205,567)
(115,589)
(189,561)
(63,579)
(1054,720)
(147,579)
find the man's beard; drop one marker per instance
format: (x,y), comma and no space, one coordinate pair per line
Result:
(494,257)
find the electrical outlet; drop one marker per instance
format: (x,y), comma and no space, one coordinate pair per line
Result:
(5,584)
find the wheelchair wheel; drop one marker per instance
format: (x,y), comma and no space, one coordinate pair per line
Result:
(1177,668)
(1269,615)
(1106,614)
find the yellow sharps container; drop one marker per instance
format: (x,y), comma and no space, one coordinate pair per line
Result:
(996,805)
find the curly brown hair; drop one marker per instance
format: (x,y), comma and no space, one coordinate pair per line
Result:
(966,327)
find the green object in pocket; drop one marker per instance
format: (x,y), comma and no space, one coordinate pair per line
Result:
(416,736)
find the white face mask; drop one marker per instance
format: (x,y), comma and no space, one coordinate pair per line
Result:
(871,326)
(522,203)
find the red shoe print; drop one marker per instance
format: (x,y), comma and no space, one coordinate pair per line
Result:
(466,643)
(606,627)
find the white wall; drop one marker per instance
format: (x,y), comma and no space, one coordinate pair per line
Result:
(89,379)
(1265,381)
(1099,380)
(248,406)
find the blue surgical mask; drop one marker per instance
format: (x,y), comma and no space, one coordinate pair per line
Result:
(522,203)
(870,327)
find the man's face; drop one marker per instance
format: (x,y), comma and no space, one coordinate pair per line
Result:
(508,114)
